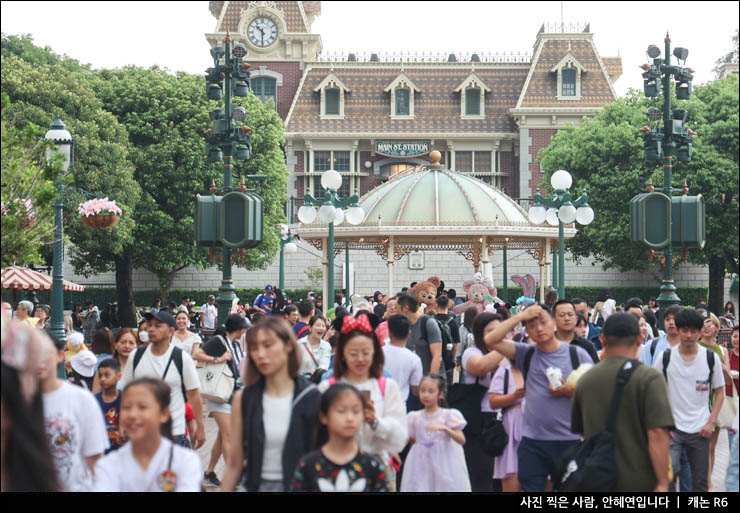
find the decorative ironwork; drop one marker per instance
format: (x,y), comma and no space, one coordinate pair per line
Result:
(416,57)
(473,255)
(538,254)
(652,255)
(317,243)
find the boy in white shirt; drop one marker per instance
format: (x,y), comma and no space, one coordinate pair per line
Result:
(403,364)
(75,429)
(691,381)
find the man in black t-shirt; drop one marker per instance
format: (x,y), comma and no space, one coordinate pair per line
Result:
(448,322)
(565,324)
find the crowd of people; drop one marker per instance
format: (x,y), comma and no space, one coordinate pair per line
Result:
(385,393)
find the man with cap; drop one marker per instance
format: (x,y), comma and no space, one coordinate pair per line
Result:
(159,360)
(209,314)
(644,418)
(264,301)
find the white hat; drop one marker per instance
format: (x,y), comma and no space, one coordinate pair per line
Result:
(84,363)
(76,339)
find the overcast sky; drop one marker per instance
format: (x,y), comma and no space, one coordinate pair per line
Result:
(170,34)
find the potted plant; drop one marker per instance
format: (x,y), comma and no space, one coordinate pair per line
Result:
(99,213)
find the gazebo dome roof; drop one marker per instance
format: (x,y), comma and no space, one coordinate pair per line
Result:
(434,196)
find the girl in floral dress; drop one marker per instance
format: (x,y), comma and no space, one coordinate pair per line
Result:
(436,461)
(339,465)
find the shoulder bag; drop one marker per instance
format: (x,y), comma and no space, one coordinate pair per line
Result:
(217,380)
(315,376)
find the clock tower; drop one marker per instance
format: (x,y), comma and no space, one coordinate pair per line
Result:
(272,31)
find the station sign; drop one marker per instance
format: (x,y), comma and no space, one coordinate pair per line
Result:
(402,148)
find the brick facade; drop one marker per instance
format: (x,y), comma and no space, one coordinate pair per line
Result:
(291,72)
(507,166)
(540,140)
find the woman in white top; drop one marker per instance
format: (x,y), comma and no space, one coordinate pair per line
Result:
(359,361)
(316,351)
(183,337)
(604,307)
(150,461)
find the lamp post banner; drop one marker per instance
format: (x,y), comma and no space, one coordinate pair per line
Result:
(402,148)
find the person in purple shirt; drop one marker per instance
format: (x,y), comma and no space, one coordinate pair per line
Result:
(546,432)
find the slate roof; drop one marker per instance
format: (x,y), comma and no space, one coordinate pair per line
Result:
(436,108)
(542,88)
(613,67)
(293,17)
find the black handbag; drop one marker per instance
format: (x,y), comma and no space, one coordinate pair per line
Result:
(494,435)
(467,399)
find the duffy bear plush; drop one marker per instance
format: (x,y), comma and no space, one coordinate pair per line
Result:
(478,291)
(426,293)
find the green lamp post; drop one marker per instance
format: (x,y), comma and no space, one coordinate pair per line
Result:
(287,245)
(562,210)
(64,144)
(226,142)
(330,211)
(672,142)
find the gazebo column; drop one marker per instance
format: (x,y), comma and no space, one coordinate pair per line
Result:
(325,274)
(544,265)
(389,262)
(484,259)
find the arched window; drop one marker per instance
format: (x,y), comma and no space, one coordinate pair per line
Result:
(265,89)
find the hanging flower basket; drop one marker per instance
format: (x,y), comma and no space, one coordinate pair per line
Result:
(99,213)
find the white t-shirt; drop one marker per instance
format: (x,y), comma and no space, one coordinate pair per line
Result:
(209,313)
(688,387)
(276,419)
(608,308)
(151,366)
(405,368)
(322,355)
(76,430)
(187,344)
(120,472)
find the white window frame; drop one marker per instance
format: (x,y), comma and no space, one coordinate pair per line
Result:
(569,62)
(332,82)
(473,82)
(402,82)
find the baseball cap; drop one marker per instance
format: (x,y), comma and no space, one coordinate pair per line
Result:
(211,297)
(268,288)
(84,363)
(621,325)
(162,316)
(312,294)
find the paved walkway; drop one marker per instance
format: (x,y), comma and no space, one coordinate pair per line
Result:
(722,456)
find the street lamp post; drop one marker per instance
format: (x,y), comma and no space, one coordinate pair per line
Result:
(64,143)
(287,245)
(562,210)
(330,211)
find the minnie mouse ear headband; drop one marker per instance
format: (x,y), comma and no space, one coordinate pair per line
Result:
(359,323)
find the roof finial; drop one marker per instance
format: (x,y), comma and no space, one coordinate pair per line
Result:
(436,156)
(667,37)
(228,37)
(569,48)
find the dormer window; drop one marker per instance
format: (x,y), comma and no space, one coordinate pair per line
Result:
(569,72)
(331,102)
(402,91)
(332,92)
(472,97)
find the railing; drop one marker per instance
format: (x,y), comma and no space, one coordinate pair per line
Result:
(565,28)
(414,57)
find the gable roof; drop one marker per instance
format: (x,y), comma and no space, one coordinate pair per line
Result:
(331,80)
(568,61)
(402,81)
(294,17)
(436,109)
(472,81)
(541,87)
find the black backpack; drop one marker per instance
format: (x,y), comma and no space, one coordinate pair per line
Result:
(448,355)
(591,465)
(710,363)
(574,361)
(176,357)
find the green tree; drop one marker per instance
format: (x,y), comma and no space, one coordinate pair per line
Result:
(28,192)
(605,156)
(38,93)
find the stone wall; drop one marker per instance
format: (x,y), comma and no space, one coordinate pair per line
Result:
(371,274)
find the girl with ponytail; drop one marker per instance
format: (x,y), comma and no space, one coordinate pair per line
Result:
(149,461)
(436,462)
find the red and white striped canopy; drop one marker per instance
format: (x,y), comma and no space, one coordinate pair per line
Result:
(15,277)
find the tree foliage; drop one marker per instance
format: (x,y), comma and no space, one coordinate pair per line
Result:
(731,56)
(28,191)
(605,157)
(38,93)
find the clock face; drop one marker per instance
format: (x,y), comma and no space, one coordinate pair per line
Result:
(262,32)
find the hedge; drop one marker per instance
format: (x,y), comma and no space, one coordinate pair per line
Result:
(690,296)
